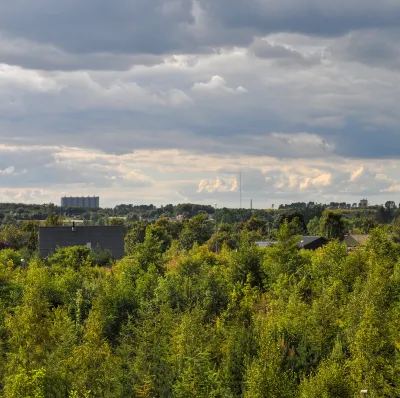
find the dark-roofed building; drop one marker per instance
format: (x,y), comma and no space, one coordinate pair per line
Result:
(354,240)
(312,242)
(305,242)
(106,237)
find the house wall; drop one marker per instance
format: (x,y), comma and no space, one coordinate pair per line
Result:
(110,237)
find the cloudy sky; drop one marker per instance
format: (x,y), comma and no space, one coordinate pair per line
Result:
(166,101)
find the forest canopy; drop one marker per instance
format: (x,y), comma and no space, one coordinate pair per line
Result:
(178,317)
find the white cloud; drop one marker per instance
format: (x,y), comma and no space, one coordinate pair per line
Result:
(15,76)
(392,188)
(322,180)
(218,85)
(217,185)
(8,170)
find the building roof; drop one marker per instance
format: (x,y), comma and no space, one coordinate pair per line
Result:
(353,240)
(309,239)
(303,242)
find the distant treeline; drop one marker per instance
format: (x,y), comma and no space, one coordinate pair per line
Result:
(13,212)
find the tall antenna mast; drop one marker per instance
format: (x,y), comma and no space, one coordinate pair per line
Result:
(240,188)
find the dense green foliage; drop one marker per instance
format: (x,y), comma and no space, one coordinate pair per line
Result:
(177,318)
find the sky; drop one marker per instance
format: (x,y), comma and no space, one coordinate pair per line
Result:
(168,101)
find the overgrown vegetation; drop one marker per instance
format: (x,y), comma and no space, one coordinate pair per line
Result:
(182,317)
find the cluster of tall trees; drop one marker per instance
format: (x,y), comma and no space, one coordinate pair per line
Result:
(178,318)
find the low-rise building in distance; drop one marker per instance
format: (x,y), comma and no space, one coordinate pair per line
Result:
(305,242)
(105,237)
(92,202)
(354,240)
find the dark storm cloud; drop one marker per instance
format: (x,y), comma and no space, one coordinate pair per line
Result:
(378,48)
(322,17)
(45,57)
(160,26)
(123,132)
(99,25)
(263,49)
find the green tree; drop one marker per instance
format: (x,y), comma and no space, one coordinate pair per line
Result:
(255,224)
(54,220)
(145,353)
(246,262)
(368,224)
(135,235)
(73,256)
(12,236)
(162,235)
(313,227)
(29,339)
(26,384)
(291,216)
(265,376)
(116,221)
(193,360)
(197,230)
(331,381)
(332,225)
(31,229)
(368,367)
(284,256)
(92,362)
(227,235)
